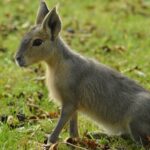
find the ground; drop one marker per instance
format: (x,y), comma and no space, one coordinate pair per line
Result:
(115,32)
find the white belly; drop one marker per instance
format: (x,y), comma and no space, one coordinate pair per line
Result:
(108,128)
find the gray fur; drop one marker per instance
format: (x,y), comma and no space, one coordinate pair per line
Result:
(42,12)
(82,84)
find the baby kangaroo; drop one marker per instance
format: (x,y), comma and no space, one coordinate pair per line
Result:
(81,84)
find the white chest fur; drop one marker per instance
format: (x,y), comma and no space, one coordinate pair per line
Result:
(51,85)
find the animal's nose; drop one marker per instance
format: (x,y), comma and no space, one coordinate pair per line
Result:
(18,58)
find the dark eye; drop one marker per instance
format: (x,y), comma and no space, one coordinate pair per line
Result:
(37,42)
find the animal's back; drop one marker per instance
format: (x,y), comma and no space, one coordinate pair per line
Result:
(106,95)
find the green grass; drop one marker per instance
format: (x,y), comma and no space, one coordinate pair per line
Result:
(116,33)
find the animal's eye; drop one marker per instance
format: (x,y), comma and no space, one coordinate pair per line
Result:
(37,42)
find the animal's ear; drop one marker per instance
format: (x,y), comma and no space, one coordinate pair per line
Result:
(52,23)
(42,12)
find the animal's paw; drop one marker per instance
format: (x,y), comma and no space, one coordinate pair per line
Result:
(50,146)
(46,146)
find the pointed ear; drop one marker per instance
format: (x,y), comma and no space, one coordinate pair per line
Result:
(52,23)
(42,12)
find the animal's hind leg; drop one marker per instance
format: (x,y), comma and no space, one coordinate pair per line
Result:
(139,132)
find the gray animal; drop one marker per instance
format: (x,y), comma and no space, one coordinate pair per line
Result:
(119,104)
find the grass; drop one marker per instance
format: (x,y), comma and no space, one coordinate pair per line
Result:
(113,32)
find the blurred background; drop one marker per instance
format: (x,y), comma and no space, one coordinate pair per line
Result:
(115,32)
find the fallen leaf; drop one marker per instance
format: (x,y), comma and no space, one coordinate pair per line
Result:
(3,50)
(3,118)
(90,7)
(106,48)
(21,117)
(53,115)
(119,48)
(10,120)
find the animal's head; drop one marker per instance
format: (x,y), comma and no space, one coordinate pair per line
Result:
(38,43)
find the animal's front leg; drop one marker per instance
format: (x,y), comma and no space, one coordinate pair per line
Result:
(74,125)
(66,113)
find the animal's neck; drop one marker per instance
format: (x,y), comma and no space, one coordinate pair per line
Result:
(61,52)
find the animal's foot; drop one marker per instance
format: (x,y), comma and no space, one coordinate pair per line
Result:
(46,146)
(50,146)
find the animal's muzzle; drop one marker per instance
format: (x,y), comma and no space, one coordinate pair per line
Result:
(20,61)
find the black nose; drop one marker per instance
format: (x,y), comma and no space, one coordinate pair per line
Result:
(18,58)
(20,61)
